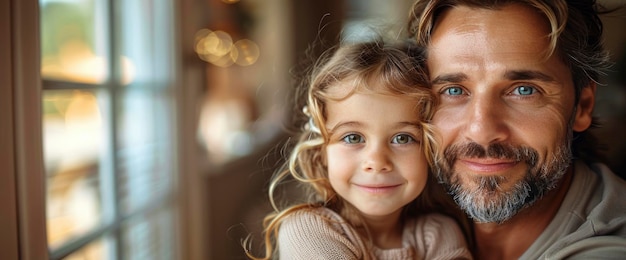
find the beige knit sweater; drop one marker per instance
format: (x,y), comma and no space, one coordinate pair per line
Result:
(320,233)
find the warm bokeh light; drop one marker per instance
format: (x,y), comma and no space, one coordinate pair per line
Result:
(199,35)
(214,47)
(245,52)
(217,43)
(217,48)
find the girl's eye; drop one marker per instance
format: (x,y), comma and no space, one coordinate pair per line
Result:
(453,91)
(402,139)
(353,139)
(524,90)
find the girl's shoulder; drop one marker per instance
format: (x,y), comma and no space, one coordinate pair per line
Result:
(315,217)
(433,224)
(318,231)
(435,220)
(435,235)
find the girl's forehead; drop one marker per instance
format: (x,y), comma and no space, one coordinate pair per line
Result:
(348,86)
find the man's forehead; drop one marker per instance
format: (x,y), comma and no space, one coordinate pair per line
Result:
(465,19)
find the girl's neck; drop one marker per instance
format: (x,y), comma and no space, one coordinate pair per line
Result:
(385,231)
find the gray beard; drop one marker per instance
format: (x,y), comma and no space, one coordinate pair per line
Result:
(487,202)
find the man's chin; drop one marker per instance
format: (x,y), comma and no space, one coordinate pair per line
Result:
(492,199)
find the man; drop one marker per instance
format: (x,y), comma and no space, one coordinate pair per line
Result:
(516,84)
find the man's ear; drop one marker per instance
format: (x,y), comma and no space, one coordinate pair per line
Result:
(584,108)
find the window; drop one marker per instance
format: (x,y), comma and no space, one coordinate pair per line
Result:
(108,128)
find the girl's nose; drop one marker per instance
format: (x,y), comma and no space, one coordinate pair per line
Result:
(377,159)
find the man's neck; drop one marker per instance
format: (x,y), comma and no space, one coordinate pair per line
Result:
(512,238)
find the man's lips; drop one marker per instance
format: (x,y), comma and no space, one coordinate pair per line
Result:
(486,165)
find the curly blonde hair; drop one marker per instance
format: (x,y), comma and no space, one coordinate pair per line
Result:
(396,67)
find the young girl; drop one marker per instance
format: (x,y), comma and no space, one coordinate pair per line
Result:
(363,155)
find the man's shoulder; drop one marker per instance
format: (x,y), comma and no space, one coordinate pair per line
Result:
(608,177)
(591,221)
(597,247)
(596,199)
(596,194)
(600,180)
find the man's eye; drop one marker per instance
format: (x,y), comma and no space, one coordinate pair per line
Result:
(453,91)
(402,139)
(524,90)
(353,139)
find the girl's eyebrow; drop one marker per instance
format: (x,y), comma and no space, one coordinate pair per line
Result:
(356,124)
(403,124)
(349,124)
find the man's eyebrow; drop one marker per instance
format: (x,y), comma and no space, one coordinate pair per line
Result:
(510,75)
(527,75)
(449,78)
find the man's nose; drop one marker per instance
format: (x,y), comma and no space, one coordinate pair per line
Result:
(486,120)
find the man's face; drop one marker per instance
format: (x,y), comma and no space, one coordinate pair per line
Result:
(506,113)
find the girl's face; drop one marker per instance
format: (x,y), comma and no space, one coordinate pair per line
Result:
(374,155)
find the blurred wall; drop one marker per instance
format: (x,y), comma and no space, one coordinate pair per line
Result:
(611,96)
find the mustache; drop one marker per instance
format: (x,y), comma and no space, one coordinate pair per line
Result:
(496,150)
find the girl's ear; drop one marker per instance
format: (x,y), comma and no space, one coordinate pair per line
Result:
(584,108)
